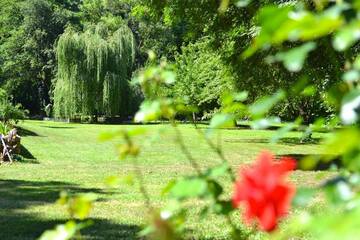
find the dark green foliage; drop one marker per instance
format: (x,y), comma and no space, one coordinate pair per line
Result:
(231,33)
(93,72)
(28,31)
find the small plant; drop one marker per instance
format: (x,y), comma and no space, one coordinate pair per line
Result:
(10,114)
(78,206)
(4,128)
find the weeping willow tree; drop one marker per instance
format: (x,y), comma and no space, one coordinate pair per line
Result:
(93,72)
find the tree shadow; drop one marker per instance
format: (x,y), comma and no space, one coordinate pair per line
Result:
(25,132)
(103,230)
(25,227)
(57,127)
(25,153)
(318,162)
(284,141)
(300,141)
(25,156)
(18,195)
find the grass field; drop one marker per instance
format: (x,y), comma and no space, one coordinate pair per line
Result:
(62,156)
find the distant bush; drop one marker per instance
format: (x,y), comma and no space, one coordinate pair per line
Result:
(10,113)
(202,77)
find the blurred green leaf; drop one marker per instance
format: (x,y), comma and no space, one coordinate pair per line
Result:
(214,189)
(264,104)
(281,23)
(294,59)
(115,181)
(65,231)
(169,77)
(303,196)
(242,3)
(281,133)
(309,91)
(318,125)
(136,132)
(128,149)
(335,143)
(149,111)
(230,98)
(112,181)
(350,107)
(351,76)
(270,18)
(338,190)
(217,171)
(81,205)
(63,198)
(167,189)
(189,188)
(300,85)
(309,163)
(221,120)
(224,5)
(106,136)
(265,122)
(347,36)
(61,232)
(356,63)
(223,207)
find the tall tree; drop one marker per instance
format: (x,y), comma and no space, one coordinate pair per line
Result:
(28,31)
(93,72)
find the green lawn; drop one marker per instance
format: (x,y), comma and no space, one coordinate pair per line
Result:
(62,156)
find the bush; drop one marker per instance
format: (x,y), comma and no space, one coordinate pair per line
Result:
(202,77)
(8,111)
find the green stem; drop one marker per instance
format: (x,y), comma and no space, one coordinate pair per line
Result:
(184,149)
(216,149)
(142,188)
(140,178)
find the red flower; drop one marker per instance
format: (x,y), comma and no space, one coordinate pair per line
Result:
(264,191)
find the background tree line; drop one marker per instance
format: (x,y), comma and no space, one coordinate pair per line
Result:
(204,46)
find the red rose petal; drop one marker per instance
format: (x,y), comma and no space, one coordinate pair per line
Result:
(263,190)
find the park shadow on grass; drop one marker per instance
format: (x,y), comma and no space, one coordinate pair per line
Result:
(58,127)
(23,132)
(284,141)
(18,195)
(319,163)
(25,153)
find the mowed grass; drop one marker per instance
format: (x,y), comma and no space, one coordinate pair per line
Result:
(61,156)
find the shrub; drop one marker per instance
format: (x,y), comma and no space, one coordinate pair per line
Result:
(10,113)
(202,77)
